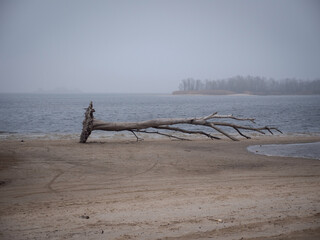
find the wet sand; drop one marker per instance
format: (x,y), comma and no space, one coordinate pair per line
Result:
(156,189)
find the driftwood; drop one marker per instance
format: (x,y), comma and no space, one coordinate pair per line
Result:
(90,124)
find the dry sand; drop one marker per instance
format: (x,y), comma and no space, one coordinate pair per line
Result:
(157,189)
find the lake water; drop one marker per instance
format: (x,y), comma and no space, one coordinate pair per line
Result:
(300,150)
(38,115)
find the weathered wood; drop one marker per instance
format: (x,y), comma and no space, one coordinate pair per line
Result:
(87,124)
(90,124)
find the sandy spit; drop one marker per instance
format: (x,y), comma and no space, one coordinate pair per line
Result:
(156,189)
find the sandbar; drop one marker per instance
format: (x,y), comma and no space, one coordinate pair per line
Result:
(157,189)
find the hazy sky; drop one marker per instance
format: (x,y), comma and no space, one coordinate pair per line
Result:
(149,46)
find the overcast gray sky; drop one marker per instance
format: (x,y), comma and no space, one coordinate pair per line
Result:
(149,46)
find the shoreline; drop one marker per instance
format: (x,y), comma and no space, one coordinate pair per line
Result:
(125,135)
(156,189)
(296,150)
(231,93)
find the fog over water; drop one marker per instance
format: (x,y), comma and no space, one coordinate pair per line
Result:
(149,46)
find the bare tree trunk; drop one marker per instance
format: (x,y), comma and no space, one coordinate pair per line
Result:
(90,124)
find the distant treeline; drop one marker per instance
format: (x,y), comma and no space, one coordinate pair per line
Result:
(249,85)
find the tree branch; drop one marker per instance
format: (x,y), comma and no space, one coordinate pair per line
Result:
(187,131)
(90,124)
(138,139)
(163,134)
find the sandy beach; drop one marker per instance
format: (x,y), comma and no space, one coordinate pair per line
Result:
(156,189)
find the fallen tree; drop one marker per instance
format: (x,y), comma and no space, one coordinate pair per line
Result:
(90,124)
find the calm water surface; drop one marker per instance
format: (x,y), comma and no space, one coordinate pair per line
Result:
(300,150)
(38,114)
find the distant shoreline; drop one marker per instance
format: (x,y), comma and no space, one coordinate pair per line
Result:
(231,93)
